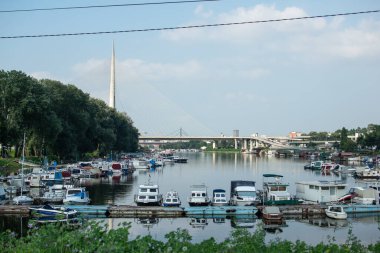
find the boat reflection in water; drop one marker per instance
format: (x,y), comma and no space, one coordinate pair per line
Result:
(326,222)
(273,227)
(198,222)
(147,222)
(243,221)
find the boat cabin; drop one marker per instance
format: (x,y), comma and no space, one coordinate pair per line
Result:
(171,199)
(243,193)
(320,191)
(76,196)
(199,196)
(148,195)
(219,197)
(275,192)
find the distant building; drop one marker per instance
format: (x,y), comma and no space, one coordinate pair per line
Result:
(235,133)
(293,135)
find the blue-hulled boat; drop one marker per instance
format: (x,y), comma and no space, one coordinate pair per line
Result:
(53,211)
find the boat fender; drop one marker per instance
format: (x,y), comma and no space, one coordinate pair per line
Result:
(231,211)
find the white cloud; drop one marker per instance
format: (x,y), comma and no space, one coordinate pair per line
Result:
(201,12)
(325,38)
(137,70)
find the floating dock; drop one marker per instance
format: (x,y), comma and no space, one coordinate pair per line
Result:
(129,211)
(221,210)
(361,208)
(145,211)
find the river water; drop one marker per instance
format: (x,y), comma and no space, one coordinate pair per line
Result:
(216,170)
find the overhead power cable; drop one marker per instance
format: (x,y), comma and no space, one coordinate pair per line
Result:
(187,27)
(107,6)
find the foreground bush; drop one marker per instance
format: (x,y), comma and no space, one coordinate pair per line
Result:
(95,238)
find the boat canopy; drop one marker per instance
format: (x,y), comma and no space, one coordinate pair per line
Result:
(272,175)
(218,190)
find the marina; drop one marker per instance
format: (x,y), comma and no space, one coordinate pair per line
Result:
(113,197)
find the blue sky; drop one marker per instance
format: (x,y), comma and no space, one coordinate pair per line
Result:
(271,78)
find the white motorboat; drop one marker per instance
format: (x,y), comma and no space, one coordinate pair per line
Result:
(139,164)
(22,200)
(219,198)
(336,212)
(76,196)
(171,199)
(148,195)
(243,193)
(199,196)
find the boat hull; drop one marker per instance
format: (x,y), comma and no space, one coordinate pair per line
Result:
(199,203)
(155,203)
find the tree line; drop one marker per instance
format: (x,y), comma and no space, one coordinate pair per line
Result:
(59,120)
(368,138)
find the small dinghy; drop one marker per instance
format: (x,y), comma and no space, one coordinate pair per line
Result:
(336,212)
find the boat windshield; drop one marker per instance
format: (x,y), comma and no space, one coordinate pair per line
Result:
(278,188)
(247,193)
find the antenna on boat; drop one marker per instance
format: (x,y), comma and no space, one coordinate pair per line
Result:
(22,164)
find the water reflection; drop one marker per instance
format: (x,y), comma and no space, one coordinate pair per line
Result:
(243,221)
(274,227)
(198,222)
(326,222)
(147,222)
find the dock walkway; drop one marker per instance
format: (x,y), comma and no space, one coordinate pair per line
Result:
(129,211)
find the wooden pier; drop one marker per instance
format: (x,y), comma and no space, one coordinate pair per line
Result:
(14,210)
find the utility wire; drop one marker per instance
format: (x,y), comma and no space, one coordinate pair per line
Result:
(107,6)
(187,27)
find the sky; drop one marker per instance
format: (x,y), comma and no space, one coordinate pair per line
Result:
(267,78)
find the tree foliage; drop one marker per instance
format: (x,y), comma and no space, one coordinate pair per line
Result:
(93,237)
(59,120)
(369,138)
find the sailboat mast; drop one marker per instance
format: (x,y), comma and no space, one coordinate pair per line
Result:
(22,165)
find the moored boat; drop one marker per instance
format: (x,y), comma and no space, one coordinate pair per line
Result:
(316,165)
(148,195)
(53,211)
(336,212)
(23,200)
(171,199)
(178,159)
(243,193)
(272,213)
(367,173)
(219,198)
(275,192)
(199,196)
(76,196)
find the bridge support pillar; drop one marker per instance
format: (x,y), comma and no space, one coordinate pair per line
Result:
(245,144)
(236,143)
(214,145)
(250,145)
